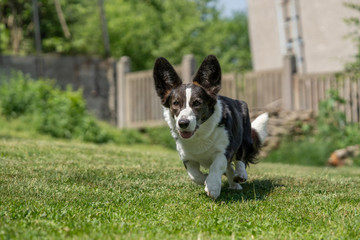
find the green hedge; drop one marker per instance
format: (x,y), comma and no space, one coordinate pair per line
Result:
(52,111)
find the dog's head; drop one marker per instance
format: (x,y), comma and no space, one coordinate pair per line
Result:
(190,104)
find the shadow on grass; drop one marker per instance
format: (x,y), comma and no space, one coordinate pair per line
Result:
(252,191)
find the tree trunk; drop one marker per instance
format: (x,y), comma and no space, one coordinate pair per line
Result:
(16,32)
(62,20)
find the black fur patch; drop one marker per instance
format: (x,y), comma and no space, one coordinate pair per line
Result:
(236,120)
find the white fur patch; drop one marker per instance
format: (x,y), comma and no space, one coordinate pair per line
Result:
(260,126)
(187,113)
(207,140)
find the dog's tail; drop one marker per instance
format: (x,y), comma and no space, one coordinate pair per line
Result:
(259,130)
(251,147)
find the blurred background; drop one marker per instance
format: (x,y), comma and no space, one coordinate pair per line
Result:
(298,60)
(142,30)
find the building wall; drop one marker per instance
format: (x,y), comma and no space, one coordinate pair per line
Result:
(264,36)
(323,31)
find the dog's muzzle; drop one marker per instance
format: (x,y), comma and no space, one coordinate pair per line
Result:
(184,124)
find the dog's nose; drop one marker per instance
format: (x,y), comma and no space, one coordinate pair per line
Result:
(184,123)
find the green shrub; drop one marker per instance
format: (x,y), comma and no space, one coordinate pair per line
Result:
(331,123)
(331,132)
(64,115)
(53,111)
(329,119)
(17,95)
(42,106)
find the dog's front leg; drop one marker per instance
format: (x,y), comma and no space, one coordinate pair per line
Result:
(213,181)
(193,169)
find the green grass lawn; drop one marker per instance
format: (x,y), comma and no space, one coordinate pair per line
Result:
(68,189)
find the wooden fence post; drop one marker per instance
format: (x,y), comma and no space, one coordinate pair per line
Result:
(123,67)
(112,98)
(287,82)
(188,68)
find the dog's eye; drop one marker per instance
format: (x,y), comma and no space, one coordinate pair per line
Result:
(175,103)
(196,103)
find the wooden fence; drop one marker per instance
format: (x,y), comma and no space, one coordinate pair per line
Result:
(139,106)
(309,90)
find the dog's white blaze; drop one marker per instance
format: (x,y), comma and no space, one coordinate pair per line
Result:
(188,97)
(187,113)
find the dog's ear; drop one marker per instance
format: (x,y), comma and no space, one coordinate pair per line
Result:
(166,79)
(209,75)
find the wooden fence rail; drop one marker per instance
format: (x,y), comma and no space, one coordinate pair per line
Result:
(139,106)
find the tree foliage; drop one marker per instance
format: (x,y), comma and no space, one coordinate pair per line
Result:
(354,23)
(140,29)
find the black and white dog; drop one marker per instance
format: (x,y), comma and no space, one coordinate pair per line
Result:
(210,130)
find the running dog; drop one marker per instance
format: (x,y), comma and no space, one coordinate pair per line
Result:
(210,130)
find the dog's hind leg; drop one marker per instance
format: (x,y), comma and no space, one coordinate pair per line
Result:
(240,172)
(193,169)
(230,173)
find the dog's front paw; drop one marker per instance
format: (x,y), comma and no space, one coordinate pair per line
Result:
(213,189)
(240,173)
(241,177)
(235,186)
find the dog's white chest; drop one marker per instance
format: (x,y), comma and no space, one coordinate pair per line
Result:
(203,149)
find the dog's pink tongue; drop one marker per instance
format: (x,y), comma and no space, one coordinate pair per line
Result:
(186,134)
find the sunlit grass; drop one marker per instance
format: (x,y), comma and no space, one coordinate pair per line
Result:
(59,189)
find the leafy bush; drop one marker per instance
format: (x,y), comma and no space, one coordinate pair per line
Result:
(55,112)
(64,115)
(329,119)
(17,95)
(331,123)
